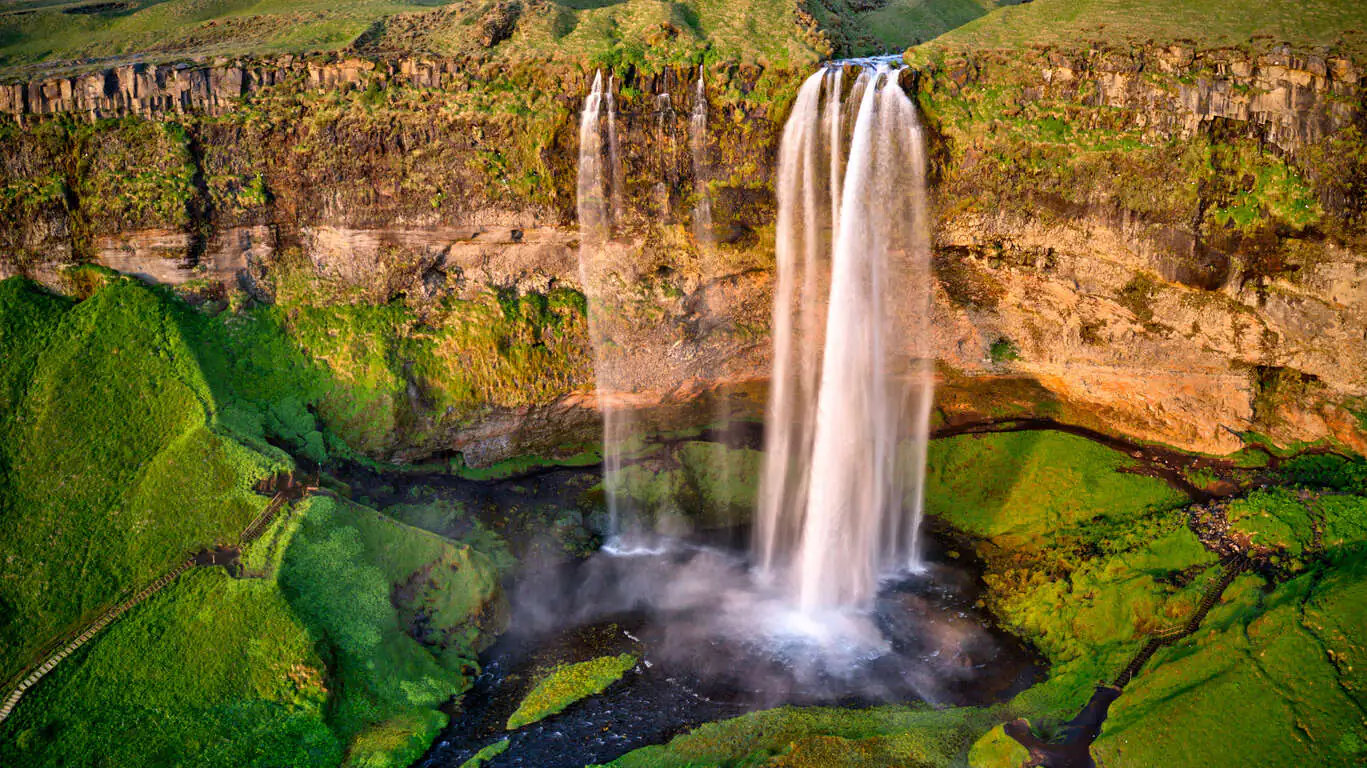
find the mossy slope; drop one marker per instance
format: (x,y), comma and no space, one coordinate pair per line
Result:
(117,448)
(108,426)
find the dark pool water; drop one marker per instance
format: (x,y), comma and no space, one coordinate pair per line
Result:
(713,644)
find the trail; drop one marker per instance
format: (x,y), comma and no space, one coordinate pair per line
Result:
(218,556)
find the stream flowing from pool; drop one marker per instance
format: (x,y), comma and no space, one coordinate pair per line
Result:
(849,405)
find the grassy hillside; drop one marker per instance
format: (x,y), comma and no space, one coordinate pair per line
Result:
(1207,23)
(773,33)
(88,32)
(113,466)
(117,460)
(150,692)
(307,662)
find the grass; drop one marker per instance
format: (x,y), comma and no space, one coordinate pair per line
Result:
(521,465)
(1127,22)
(340,573)
(1280,664)
(108,424)
(710,483)
(1273,518)
(634,32)
(1275,660)
(485,755)
(118,459)
(218,27)
(810,737)
(311,664)
(1019,486)
(568,683)
(211,672)
(1325,470)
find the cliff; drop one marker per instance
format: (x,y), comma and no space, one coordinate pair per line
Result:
(1166,243)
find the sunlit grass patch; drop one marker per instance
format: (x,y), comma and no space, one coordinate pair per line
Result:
(566,684)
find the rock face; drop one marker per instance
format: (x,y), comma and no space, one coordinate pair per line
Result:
(1168,242)
(166,90)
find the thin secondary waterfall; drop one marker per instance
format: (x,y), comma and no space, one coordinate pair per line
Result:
(614,152)
(697,144)
(599,199)
(849,407)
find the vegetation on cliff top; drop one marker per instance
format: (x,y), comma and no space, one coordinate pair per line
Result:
(1205,23)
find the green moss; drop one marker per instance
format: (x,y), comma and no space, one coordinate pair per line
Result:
(340,573)
(1022,486)
(1280,664)
(212,672)
(711,484)
(1003,351)
(1343,519)
(1326,470)
(813,737)
(521,465)
(1273,518)
(485,755)
(567,684)
(397,742)
(111,424)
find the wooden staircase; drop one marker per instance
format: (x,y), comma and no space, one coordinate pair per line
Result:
(252,532)
(1171,634)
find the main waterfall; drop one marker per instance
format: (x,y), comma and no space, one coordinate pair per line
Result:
(849,406)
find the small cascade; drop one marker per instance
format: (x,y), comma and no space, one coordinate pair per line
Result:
(614,153)
(665,151)
(599,201)
(697,144)
(849,406)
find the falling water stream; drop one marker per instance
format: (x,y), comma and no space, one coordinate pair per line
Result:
(600,208)
(697,144)
(840,496)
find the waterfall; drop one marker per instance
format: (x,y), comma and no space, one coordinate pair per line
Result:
(697,143)
(665,139)
(849,407)
(614,153)
(599,199)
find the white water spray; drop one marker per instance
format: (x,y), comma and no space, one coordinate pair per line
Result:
(841,489)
